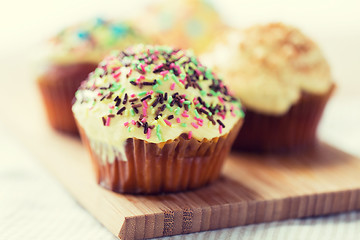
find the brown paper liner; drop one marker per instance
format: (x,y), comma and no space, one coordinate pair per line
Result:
(295,130)
(178,165)
(57,87)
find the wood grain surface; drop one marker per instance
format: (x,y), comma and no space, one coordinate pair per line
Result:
(252,189)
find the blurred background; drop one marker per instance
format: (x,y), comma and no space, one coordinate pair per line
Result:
(25,25)
(334,25)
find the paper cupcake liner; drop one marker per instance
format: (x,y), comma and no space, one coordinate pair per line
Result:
(150,168)
(295,130)
(57,87)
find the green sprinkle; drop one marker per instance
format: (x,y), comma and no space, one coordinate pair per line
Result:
(240,113)
(166,78)
(129,129)
(213,92)
(122,89)
(116,108)
(159,91)
(110,111)
(192,65)
(159,81)
(177,111)
(142,93)
(158,133)
(132,80)
(132,112)
(201,77)
(198,105)
(187,102)
(183,125)
(148,68)
(115,87)
(196,113)
(208,74)
(183,75)
(193,59)
(170,98)
(203,92)
(155,86)
(210,114)
(174,77)
(169,107)
(99,71)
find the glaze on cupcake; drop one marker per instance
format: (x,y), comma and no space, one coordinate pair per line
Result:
(159,100)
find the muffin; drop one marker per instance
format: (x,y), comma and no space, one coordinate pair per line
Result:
(156,120)
(283,80)
(182,24)
(71,56)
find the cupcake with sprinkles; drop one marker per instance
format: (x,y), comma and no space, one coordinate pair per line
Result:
(156,120)
(70,56)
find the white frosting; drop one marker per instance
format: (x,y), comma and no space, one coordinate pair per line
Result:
(269,66)
(89,116)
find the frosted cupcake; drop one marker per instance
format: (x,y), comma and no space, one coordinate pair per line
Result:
(155,120)
(182,23)
(72,55)
(283,80)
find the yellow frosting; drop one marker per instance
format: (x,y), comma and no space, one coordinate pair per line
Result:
(182,23)
(102,96)
(91,41)
(268,66)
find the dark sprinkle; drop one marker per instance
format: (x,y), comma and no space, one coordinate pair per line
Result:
(125,99)
(133,100)
(104,120)
(170,117)
(121,110)
(146,97)
(111,115)
(221,123)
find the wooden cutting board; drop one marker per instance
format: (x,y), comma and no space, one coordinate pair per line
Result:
(252,189)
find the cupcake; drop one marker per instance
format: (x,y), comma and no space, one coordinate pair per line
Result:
(283,80)
(155,120)
(182,23)
(72,55)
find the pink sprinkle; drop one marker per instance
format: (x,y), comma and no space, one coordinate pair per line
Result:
(172,65)
(233,114)
(133,122)
(116,75)
(130,71)
(221,84)
(200,123)
(222,116)
(111,106)
(182,100)
(204,108)
(150,92)
(143,120)
(139,79)
(144,111)
(221,99)
(132,95)
(194,125)
(167,122)
(172,86)
(107,121)
(148,134)
(142,68)
(158,67)
(178,120)
(126,124)
(182,81)
(145,104)
(99,94)
(198,119)
(190,134)
(220,129)
(178,68)
(185,115)
(195,101)
(163,73)
(116,68)
(197,72)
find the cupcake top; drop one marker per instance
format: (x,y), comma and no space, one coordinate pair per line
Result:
(269,66)
(91,41)
(182,23)
(156,94)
